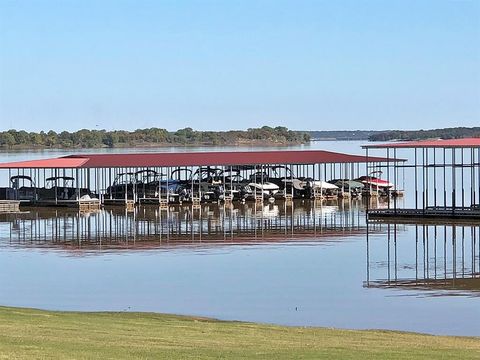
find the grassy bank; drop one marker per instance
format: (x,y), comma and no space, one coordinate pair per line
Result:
(26,333)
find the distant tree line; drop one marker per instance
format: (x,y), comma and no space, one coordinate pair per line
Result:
(149,137)
(446,133)
(342,135)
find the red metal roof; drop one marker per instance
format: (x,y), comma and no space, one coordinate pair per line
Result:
(194,159)
(60,163)
(439,143)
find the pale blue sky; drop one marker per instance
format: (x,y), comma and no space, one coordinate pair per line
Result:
(316,65)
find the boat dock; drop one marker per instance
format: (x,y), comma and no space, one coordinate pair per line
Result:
(89,181)
(444,174)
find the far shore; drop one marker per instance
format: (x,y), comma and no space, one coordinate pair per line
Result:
(157,145)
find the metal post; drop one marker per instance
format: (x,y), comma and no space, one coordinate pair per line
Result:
(388,176)
(55,187)
(462,169)
(454,181)
(435,177)
(366,173)
(444,179)
(416,177)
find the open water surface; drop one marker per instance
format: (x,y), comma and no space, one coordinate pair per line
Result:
(309,264)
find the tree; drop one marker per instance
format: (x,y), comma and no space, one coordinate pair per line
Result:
(111,139)
(7,139)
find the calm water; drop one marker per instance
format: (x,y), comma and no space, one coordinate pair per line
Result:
(308,264)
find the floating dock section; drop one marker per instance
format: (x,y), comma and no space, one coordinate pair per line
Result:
(9,206)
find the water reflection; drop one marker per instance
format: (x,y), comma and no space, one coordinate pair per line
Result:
(436,260)
(151,227)
(295,264)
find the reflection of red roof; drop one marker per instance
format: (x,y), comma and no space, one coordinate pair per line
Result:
(194,159)
(440,143)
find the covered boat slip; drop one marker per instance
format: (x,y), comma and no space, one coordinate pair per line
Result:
(93,180)
(444,176)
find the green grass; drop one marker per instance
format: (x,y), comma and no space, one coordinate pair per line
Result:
(32,334)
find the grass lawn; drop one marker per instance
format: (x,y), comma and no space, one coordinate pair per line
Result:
(30,334)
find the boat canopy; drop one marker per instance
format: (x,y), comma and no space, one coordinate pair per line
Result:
(65,178)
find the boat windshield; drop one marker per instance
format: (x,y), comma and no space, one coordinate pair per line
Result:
(56,181)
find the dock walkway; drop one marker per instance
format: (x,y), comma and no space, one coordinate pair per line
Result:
(9,205)
(472,213)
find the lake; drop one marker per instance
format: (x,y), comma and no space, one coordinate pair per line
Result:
(308,264)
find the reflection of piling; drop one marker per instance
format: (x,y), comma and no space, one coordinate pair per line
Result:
(444,259)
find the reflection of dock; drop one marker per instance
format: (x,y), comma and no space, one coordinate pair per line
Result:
(446,259)
(151,227)
(469,285)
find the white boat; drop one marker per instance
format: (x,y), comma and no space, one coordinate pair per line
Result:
(268,189)
(318,184)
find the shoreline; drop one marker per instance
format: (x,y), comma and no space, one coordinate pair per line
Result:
(231,321)
(31,333)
